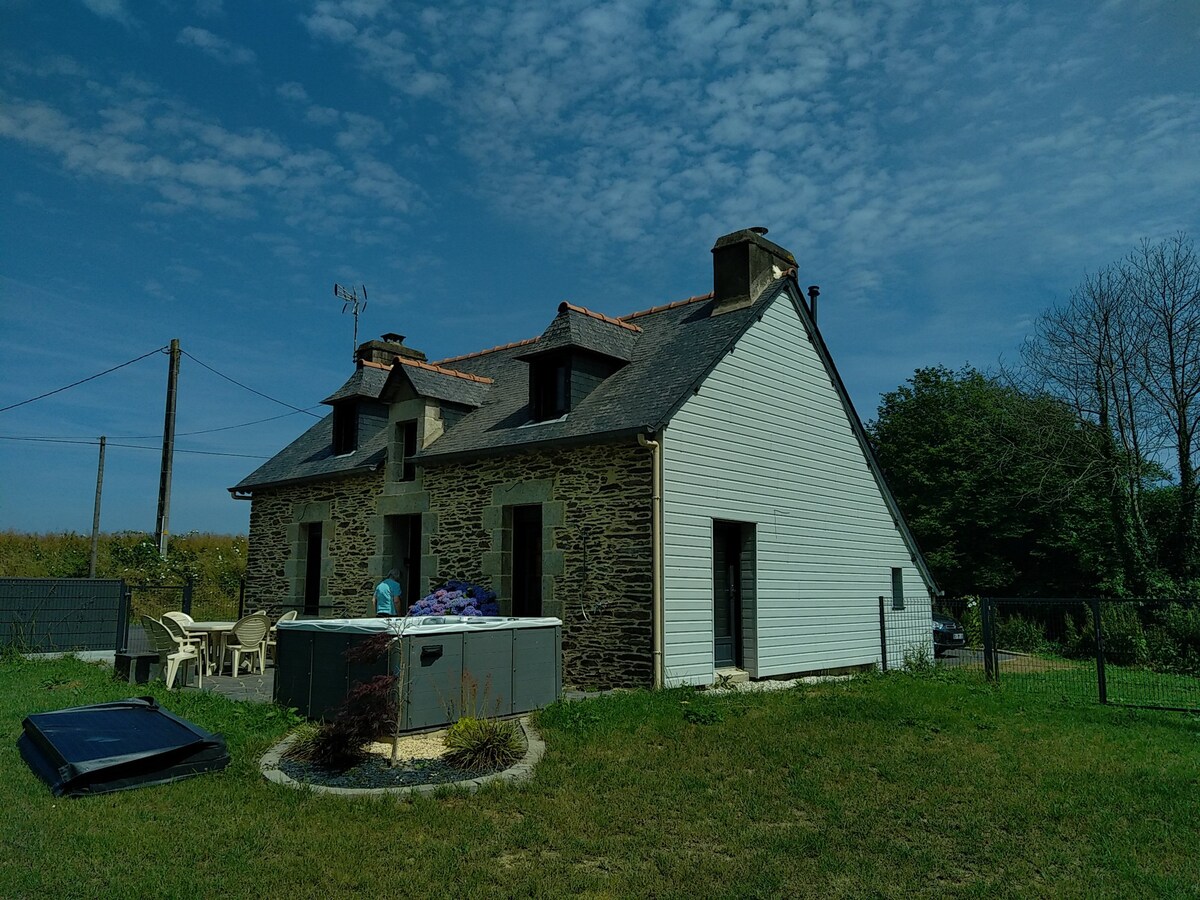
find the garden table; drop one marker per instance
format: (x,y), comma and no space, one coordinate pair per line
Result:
(216,633)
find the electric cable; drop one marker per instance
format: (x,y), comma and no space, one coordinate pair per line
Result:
(95,442)
(246,387)
(82,381)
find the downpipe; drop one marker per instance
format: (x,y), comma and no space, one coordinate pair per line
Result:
(656,567)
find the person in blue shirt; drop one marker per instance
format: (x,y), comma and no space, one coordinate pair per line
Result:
(388,594)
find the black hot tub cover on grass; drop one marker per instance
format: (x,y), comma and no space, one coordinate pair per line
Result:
(116,747)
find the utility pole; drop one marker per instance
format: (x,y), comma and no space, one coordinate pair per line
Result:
(161,527)
(96,510)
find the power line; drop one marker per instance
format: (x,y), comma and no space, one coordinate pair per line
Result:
(95,441)
(245,387)
(146,437)
(83,380)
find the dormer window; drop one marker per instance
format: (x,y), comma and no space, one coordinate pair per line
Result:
(345,427)
(550,388)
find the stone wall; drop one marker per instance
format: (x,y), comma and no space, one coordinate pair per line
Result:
(275,562)
(596,559)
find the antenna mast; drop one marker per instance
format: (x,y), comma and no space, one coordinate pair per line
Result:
(351,303)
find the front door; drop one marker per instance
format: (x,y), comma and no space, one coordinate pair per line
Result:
(727,594)
(527,560)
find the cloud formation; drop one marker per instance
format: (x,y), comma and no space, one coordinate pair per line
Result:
(218,48)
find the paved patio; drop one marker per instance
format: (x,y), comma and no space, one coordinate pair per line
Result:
(253,688)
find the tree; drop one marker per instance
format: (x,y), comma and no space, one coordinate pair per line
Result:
(995,484)
(1124,353)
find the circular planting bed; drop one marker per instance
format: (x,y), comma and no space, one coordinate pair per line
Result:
(421,768)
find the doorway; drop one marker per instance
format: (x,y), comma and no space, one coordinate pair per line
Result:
(527,560)
(403,551)
(312,569)
(729,542)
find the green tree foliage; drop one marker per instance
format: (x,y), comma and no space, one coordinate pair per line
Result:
(996,485)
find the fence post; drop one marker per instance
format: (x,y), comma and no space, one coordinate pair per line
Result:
(242,597)
(1101,680)
(989,639)
(882,637)
(123,609)
(187,594)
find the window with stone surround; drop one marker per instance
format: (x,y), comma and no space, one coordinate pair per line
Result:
(406,449)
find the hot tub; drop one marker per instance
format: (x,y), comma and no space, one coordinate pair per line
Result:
(456,665)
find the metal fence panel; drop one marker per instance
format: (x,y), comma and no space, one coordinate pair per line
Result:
(1134,652)
(46,615)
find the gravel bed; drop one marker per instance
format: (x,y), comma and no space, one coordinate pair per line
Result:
(376,773)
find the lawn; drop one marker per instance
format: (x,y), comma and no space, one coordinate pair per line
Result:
(883,786)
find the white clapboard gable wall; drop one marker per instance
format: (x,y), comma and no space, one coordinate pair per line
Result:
(766,440)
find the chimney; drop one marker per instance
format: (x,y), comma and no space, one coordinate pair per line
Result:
(387,348)
(744,263)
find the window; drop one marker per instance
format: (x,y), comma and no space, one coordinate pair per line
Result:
(406,449)
(345,428)
(897,589)
(550,388)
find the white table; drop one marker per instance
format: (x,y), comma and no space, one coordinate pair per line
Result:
(216,633)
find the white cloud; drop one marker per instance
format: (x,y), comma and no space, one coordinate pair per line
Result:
(217,47)
(293,91)
(111,9)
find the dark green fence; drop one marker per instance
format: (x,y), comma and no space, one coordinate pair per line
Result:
(1141,652)
(49,615)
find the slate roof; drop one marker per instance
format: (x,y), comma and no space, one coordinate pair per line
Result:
(669,350)
(439,384)
(575,326)
(367,381)
(678,344)
(311,456)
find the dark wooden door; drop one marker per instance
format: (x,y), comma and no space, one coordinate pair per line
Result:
(312,570)
(727,594)
(527,560)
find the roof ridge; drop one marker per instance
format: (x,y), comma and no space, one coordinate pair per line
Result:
(509,346)
(417,364)
(375,365)
(655,309)
(597,315)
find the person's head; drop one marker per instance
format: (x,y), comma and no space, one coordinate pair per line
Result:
(394,574)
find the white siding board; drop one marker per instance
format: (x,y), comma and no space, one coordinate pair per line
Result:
(766,440)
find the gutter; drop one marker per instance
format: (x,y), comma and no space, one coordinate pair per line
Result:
(656,578)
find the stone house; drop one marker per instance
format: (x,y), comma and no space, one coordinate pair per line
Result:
(687,487)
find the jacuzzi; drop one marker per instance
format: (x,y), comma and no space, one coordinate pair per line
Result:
(456,665)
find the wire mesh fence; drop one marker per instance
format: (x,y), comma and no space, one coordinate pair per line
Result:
(1135,652)
(905,635)
(155,599)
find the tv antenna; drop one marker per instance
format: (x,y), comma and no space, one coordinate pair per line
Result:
(351,303)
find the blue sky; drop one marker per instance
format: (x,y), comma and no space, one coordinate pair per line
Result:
(206,170)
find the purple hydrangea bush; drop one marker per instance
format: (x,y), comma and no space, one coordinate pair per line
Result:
(457,598)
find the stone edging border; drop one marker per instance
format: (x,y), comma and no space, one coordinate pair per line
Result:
(535,748)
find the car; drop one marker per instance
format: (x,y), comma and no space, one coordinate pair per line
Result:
(948,634)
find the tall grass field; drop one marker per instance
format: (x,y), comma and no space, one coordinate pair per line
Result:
(216,562)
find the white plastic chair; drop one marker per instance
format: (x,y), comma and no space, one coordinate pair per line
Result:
(172,653)
(181,617)
(180,633)
(288,616)
(248,637)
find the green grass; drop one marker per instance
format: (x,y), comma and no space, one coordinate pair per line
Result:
(878,787)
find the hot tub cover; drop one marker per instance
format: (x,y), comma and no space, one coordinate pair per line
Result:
(116,746)
(419,625)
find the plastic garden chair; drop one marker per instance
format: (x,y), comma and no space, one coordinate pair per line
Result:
(181,617)
(180,633)
(249,636)
(172,653)
(288,616)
